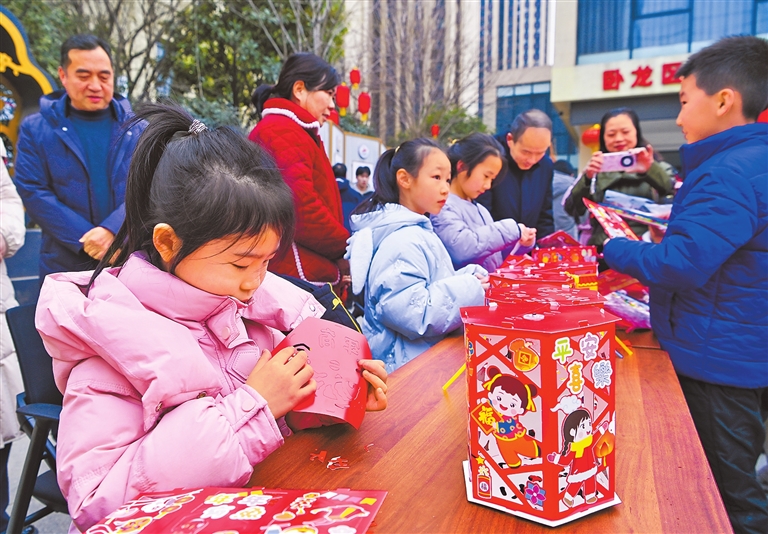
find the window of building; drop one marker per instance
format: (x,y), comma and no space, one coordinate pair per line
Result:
(623,29)
(511,100)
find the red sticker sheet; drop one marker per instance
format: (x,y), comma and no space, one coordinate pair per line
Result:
(239,511)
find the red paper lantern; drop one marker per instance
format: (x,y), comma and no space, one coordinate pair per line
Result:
(354,77)
(591,137)
(364,105)
(334,118)
(435,130)
(342,98)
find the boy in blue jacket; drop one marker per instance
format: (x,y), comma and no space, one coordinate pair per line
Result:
(709,275)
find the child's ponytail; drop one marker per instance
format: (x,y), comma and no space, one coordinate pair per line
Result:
(409,156)
(205,184)
(260,96)
(134,234)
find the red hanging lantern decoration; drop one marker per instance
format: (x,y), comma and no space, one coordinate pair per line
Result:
(591,137)
(435,130)
(364,105)
(354,78)
(334,118)
(342,98)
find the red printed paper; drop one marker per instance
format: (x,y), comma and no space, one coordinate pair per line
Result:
(505,278)
(582,275)
(557,239)
(333,351)
(572,254)
(241,511)
(513,262)
(610,220)
(521,294)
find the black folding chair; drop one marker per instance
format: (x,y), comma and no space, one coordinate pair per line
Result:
(38,409)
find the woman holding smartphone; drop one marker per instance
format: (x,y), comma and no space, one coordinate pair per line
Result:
(619,132)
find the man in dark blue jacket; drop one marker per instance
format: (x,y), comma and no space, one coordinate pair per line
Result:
(524,193)
(350,198)
(709,275)
(73,159)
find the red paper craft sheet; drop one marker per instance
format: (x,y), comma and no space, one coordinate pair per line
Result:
(610,220)
(241,511)
(557,239)
(333,352)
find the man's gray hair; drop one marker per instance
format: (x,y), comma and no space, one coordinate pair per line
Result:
(533,118)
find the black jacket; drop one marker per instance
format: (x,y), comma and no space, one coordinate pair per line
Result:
(525,196)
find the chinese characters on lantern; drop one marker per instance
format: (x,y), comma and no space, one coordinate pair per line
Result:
(642,76)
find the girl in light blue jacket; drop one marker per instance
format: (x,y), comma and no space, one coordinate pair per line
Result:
(466,227)
(412,292)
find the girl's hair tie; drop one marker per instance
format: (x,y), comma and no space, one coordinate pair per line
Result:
(197,127)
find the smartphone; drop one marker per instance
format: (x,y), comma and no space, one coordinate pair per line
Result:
(621,161)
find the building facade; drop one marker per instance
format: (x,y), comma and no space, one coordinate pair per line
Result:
(518,43)
(631,61)
(590,56)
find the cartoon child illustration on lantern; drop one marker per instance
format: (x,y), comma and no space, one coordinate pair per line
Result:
(583,453)
(505,438)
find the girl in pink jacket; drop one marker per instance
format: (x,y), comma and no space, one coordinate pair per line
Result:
(164,359)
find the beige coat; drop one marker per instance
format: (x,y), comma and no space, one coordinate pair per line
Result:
(12,233)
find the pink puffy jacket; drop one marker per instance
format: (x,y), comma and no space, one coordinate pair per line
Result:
(153,371)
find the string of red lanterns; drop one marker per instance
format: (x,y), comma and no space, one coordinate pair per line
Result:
(354,78)
(344,97)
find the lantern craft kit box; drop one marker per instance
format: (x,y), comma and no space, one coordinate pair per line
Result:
(541,404)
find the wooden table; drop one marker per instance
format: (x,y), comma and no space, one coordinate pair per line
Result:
(644,339)
(420,441)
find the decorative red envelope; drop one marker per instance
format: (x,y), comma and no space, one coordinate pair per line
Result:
(610,220)
(333,352)
(241,511)
(557,239)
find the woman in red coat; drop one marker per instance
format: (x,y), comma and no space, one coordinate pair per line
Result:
(291,115)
